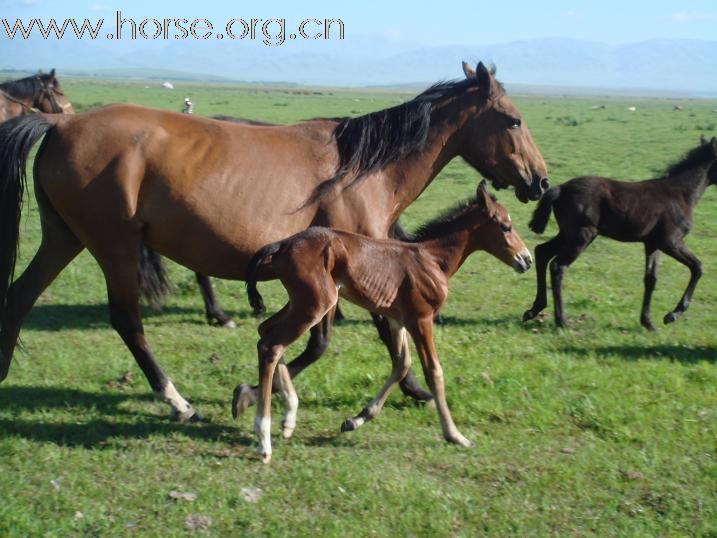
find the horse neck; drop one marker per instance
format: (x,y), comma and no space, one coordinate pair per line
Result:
(409,177)
(452,249)
(28,101)
(691,184)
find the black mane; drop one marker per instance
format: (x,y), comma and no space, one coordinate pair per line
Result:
(24,87)
(446,223)
(702,154)
(368,143)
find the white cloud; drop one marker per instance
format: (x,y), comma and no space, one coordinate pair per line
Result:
(692,16)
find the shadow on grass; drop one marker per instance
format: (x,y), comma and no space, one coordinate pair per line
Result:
(95,433)
(449,321)
(675,353)
(96,316)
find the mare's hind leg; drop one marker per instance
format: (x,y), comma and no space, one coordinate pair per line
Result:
(682,254)
(401,362)
(58,248)
(567,254)
(212,309)
(119,265)
(651,261)
(543,254)
(409,384)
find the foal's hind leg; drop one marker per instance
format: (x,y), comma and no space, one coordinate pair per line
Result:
(119,265)
(401,362)
(651,261)
(58,248)
(682,254)
(212,309)
(246,395)
(543,254)
(309,301)
(409,384)
(567,255)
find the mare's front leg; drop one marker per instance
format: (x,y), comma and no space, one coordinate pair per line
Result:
(651,262)
(400,364)
(543,254)
(409,384)
(567,254)
(212,310)
(682,254)
(422,333)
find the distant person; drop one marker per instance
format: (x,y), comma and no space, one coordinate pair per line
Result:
(188,107)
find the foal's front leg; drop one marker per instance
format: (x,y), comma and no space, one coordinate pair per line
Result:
(651,261)
(422,334)
(401,362)
(682,254)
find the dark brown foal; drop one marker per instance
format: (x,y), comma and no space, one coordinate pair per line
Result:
(405,282)
(656,212)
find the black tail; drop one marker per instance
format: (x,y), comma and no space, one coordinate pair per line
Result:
(255,299)
(17,136)
(541,215)
(153,279)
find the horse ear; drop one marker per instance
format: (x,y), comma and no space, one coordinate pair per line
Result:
(485,79)
(482,194)
(703,140)
(52,72)
(468,70)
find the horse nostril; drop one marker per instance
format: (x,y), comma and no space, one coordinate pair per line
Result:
(544,183)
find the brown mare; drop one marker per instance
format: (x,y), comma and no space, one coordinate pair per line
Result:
(407,283)
(41,91)
(208,194)
(656,212)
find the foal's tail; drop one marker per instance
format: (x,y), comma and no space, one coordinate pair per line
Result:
(17,136)
(541,215)
(263,256)
(153,279)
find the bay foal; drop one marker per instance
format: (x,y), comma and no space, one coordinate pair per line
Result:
(656,212)
(404,282)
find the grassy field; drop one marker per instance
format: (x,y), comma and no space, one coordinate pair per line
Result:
(602,429)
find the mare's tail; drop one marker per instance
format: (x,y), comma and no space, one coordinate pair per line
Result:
(17,137)
(263,256)
(541,215)
(153,279)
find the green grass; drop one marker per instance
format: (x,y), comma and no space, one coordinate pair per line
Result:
(602,429)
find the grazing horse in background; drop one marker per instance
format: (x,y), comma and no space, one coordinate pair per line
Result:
(656,212)
(41,91)
(402,281)
(208,194)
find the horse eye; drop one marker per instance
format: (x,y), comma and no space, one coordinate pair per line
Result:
(515,123)
(507,228)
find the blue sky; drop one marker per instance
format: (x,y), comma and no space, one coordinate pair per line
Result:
(444,22)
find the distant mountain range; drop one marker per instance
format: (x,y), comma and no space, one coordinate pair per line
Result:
(681,66)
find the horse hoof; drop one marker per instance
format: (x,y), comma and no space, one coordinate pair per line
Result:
(190,416)
(243,398)
(670,318)
(266,457)
(287,432)
(348,425)
(229,324)
(528,315)
(647,324)
(460,441)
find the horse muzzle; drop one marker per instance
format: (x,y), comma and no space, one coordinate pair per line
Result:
(522,262)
